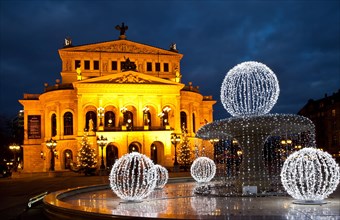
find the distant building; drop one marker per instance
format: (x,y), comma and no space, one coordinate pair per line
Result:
(325,114)
(128,92)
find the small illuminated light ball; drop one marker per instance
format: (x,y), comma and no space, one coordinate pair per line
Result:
(203,169)
(163,176)
(249,88)
(310,175)
(133,177)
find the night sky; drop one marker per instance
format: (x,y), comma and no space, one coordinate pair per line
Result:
(298,40)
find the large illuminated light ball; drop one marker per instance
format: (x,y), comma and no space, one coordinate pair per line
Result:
(133,177)
(310,175)
(162,176)
(203,169)
(249,88)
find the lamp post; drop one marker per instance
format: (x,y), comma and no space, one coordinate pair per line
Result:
(100,115)
(175,139)
(102,141)
(51,144)
(15,148)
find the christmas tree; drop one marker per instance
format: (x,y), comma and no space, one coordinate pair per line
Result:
(184,151)
(86,158)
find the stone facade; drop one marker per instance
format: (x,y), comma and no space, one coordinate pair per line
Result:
(128,92)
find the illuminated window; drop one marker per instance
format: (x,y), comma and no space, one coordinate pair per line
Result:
(158,67)
(96,64)
(86,64)
(333,112)
(114,65)
(166,67)
(149,66)
(68,123)
(76,64)
(53,125)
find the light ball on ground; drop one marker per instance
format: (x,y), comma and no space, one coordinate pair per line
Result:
(162,176)
(249,88)
(203,169)
(133,177)
(310,175)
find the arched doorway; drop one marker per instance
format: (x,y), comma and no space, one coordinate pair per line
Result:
(157,152)
(68,157)
(135,147)
(111,155)
(153,153)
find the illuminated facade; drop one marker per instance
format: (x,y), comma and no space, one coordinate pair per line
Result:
(128,92)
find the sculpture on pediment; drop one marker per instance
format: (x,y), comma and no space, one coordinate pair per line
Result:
(129,78)
(128,65)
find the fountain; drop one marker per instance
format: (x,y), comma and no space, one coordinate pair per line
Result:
(248,93)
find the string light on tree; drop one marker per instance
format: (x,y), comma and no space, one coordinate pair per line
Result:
(203,169)
(163,176)
(310,175)
(133,177)
(249,88)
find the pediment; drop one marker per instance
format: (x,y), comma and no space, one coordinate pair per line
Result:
(128,77)
(120,46)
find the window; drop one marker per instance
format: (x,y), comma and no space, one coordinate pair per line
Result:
(166,67)
(193,123)
(333,112)
(76,64)
(149,66)
(183,119)
(68,123)
(86,64)
(158,67)
(114,65)
(96,64)
(109,119)
(53,125)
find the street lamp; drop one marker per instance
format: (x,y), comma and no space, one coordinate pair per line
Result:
(51,144)
(15,148)
(102,141)
(100,115)
(175,139)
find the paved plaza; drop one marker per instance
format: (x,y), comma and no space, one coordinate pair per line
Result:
(180,202)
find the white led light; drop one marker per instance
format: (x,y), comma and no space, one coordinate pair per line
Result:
(162,174)
(310,175)
(133,177)
(250,88)
(203,169)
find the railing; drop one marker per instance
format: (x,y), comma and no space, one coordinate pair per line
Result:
(137,128)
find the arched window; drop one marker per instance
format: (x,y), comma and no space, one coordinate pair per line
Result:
(53,125)
(128,120)
(183,119)
(91,121)
(153,151)
(193,123)
(68,123)
(109,119)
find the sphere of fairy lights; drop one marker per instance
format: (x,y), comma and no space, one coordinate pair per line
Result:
(162,176)
(133,177)
(310,175)
(249,88)
(203,169)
